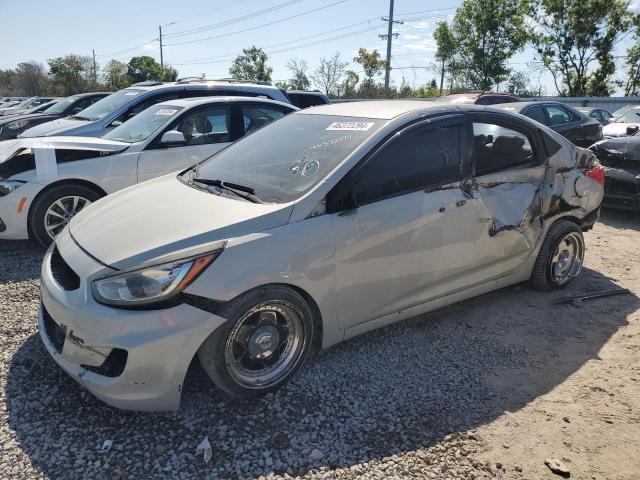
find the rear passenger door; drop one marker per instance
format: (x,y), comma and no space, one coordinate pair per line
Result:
(508,171)
(205,130)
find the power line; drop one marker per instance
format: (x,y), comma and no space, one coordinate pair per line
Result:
(274,52)
(273,45)
(191,31)
(119,52)
(426,11)
(258,26)
(199,14)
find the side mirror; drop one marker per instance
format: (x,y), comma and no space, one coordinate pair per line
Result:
(632,130)
(172,137)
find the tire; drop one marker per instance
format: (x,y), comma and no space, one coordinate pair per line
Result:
(564,241)
(250,329)
(38,214)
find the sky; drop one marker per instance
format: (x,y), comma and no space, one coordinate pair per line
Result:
(204,37)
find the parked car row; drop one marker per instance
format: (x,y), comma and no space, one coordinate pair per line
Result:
(99,143)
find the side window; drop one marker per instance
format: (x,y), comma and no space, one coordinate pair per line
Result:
(596,114)
(497,148)
(256,116)
(606,116)
(143,105)
(205,125)
(559,115)
(85,102)
(535,113)
(421,157)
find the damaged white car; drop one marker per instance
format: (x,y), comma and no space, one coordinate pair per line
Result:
(321,226)
(45,181)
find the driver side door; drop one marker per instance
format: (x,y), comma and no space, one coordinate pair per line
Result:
(205,130)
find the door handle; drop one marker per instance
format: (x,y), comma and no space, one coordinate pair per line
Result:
(461,203)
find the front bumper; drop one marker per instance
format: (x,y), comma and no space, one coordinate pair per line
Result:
(12,216)
(159,344)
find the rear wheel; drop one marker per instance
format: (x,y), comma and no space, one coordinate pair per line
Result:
(53,210)
(265,340)
(560,258)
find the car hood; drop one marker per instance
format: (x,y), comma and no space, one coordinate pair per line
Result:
(56,127)
(28,116)
(12,165)
(165,219)
(617,129)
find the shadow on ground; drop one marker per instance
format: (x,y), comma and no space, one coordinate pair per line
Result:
(390,391)
(620,218)
(21,260)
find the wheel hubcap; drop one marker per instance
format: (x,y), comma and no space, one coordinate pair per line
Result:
(265,344)
(61,212)
(566,262)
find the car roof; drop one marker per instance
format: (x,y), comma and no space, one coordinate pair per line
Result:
(195,101)
(384,109)
(193,84)
(305,92)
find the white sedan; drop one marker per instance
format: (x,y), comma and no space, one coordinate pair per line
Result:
(44,182)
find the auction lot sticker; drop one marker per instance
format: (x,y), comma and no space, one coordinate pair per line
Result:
(357,126)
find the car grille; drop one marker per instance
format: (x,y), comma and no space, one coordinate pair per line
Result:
(62,272)
(54,332)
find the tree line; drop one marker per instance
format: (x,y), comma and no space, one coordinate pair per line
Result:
(573,40)
(73,74)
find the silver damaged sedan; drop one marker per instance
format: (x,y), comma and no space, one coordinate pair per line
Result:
(323,225)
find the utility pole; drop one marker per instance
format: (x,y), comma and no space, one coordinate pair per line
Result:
(95,70)
(160,38)
(389,36)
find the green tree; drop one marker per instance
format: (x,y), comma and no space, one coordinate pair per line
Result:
(575,40)
(116,76)
(349,84)
(487,34)
(373,66)
(69,74)
(169,74)
(144,69)
(8,83)
(329,74)
(299,80)
(446,48)
(31,79)
(518,84)
(251,65)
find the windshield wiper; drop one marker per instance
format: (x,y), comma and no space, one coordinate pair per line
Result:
(80,117)
(240,190)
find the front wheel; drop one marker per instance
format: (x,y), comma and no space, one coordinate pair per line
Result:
(53,210)
(266,338)
(560,258)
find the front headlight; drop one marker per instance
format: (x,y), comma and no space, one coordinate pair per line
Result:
(150,285)
(8,186)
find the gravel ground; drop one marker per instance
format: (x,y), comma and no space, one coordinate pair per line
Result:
(490,387)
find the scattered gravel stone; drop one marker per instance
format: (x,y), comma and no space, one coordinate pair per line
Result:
(558,467)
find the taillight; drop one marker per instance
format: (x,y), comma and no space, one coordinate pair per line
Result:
(596,174)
